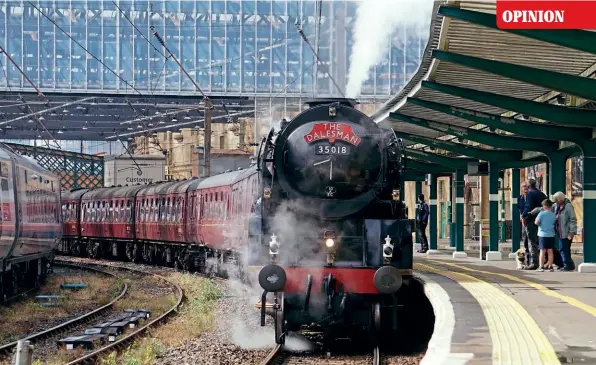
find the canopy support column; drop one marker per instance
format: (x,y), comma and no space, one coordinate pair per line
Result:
(451,218)
(459,214)
(557,172)
(493,253)
(515,222)
(589,202)
(432,221)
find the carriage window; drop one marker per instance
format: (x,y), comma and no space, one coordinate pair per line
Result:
(200,206)
(111,212)
(144,214)
(128,210)
(162,209)
(26,180)
(153,212)
(168,210)
(175,212)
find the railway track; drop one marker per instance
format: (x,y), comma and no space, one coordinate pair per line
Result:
(91,356)
(278,356)
(8,349)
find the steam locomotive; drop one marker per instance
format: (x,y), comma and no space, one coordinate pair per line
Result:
(330,233)
(318,220)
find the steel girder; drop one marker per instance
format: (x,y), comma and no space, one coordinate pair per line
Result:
(517,126)
(490,139)
(474,152)
(581,40)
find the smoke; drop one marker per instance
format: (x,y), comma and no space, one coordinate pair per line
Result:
(376,20)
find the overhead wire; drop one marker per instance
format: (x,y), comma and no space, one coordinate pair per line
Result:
(305,38)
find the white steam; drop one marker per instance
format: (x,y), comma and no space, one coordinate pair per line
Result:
(376,20)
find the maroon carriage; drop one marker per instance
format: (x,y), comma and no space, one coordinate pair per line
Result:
(107,220)
(226,201)
(71,232)
(162,212)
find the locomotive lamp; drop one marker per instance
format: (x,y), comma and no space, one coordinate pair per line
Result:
(273,246)
(329,242)
(267,193)
(332,111)
(387,250)
(395,194)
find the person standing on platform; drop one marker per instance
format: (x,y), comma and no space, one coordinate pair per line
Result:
(546,234)
(566,228)
(521,203)
(534,199)
(422,222)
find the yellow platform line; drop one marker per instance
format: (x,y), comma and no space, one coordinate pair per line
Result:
(543,289)
(516,337)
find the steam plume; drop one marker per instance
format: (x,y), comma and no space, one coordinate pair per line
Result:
(376,20)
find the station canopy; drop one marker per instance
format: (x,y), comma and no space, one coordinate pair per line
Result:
(522,91)
(91,117)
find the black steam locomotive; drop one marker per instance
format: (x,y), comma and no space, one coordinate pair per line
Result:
(331,235)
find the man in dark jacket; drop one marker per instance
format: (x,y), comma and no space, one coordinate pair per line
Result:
(534,199)
(422,222)
(521,203)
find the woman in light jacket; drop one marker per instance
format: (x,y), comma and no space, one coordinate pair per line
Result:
(566,227)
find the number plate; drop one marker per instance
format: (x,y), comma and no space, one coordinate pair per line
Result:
(326,149)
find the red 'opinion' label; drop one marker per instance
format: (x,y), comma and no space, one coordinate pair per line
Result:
(332,132)
(546,14)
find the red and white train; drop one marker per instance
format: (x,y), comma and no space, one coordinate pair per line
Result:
(177,223)
(30,226)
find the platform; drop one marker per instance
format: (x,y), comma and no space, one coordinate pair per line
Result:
(577,248)
(505,316)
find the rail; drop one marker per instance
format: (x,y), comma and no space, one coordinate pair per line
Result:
(276,356)
(272,356)
(92,357)
(7,349)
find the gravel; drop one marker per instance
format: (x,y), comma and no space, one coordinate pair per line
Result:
(237,338)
